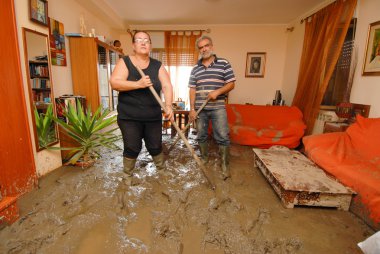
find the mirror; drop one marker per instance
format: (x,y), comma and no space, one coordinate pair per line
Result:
(37,62)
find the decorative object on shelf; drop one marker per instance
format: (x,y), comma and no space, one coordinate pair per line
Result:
(255,64)
(57,43)
(89,131)
(371,63)
(39,11)
(278,99)
(344,110)
(83,28)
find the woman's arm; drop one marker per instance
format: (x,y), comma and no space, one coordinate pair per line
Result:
(119,80)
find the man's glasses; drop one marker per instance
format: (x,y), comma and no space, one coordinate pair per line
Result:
(141,41)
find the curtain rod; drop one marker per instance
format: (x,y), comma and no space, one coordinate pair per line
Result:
(304,19)
(208,30)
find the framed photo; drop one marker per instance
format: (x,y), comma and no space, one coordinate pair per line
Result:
(39,11)
(255,65)
(371,66)
(57,43)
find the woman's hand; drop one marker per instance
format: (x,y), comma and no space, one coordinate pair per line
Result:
(144,82)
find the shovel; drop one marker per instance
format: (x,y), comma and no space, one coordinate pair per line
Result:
(158,99)
(187,126)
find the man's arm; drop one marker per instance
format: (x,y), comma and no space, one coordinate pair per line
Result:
(223,90)
(192,113)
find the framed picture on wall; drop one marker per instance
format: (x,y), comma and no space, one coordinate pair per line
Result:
(371,61)
(57,43)
(255,64)
(39,11)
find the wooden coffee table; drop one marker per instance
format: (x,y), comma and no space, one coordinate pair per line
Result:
(298,181)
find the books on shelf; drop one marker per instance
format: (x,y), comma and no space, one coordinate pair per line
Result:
(37,70)
(40,83)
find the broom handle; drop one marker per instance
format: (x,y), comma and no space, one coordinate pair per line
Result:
(179,131)
(188,125)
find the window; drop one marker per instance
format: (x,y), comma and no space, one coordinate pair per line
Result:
(179,74)
(338,87)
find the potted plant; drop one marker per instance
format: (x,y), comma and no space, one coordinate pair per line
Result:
(44,126)
(90,132)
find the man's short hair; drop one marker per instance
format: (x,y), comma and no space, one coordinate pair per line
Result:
(203,37)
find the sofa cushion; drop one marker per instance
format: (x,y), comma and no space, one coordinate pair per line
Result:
(365,137)
(352,162)
(265,126)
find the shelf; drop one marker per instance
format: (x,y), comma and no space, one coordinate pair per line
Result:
(38,62)
(41,89)
(42,77)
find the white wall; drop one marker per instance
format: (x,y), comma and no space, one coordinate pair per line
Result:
(67,12)
(233,42)
(366,89)
(292,62)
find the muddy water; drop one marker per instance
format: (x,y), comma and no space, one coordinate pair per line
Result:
(100,210)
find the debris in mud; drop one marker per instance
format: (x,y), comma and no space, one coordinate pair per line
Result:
(100,210)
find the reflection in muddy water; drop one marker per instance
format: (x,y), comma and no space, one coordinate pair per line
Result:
(101,210)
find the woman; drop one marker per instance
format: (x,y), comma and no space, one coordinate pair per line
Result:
(139,114)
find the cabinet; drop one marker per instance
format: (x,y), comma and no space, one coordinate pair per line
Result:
(92,63)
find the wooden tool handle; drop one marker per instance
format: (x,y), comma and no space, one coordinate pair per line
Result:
(179,131)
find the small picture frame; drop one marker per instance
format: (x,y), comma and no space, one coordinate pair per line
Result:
(371,63)
(255,65)
(39,11)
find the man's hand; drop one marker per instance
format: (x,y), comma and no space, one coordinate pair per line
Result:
(213,95)
(169,113)
(192,115)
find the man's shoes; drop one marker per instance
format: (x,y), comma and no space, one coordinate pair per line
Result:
(204,152)
(225,156)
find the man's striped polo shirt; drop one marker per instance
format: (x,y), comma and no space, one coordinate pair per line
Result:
(205,80)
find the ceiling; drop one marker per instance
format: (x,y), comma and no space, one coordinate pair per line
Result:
(196,12)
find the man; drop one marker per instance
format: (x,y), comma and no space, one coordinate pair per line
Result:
(211,78)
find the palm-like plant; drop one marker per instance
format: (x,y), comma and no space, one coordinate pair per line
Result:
(89,131)
(45,128)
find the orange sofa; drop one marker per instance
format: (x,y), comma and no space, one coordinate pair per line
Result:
(353,157)
(265,126)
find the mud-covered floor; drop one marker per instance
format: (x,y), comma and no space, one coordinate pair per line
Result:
(99,210)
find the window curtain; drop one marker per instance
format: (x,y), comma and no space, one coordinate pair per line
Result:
(181,52)
(324,37)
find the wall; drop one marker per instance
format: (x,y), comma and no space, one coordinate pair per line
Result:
(366,89)
(233,42)
(67,12)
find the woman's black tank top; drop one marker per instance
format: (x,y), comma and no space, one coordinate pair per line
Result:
(140,104)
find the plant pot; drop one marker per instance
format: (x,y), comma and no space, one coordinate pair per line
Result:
(84,164)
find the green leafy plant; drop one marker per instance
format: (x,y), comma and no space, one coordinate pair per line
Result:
(89,131)
(45,127)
